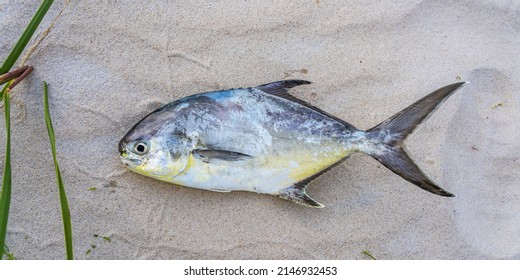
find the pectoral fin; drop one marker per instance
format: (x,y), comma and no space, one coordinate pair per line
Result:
(299,195)
(209,155)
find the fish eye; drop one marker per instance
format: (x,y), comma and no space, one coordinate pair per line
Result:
(141,147)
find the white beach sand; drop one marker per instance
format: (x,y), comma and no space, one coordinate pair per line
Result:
(108,63)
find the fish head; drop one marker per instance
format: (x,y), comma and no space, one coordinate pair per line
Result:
(158,155)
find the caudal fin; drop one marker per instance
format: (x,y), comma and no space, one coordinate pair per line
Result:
(394,131)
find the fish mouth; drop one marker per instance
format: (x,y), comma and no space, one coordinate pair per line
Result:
(131,161)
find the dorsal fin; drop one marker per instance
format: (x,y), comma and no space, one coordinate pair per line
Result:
(280,89)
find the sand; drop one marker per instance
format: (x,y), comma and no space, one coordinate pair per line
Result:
(109,63)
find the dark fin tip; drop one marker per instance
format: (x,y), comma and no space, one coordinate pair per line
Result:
(431,187)
(446,194)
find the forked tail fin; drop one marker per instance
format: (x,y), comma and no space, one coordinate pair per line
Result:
(394,130)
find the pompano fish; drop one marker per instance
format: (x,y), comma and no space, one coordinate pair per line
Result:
(262,139)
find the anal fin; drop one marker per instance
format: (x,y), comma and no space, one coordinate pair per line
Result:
(298,195)
(297,192)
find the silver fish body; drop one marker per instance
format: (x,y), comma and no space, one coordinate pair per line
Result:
(264,140)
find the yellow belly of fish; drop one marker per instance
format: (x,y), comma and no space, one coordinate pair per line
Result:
(262,174)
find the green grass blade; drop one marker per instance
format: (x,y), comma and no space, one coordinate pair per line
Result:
(5,199)
(369,255)
(65,212)
(26,36)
